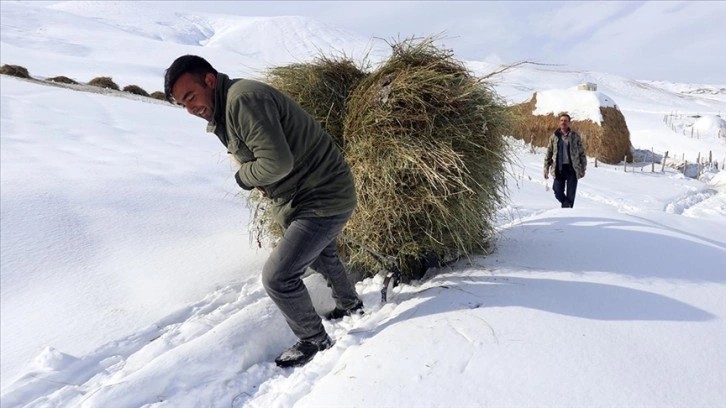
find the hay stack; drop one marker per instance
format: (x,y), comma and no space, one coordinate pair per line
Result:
(608,141)
(136,90)
(104,82)
(423,138)
(15,70)
(158,95)
(63,80)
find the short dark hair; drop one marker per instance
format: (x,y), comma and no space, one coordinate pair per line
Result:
(192,64)
(564,114)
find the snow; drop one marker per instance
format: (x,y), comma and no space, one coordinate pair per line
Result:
(579,104)
(710,125)
(128,277)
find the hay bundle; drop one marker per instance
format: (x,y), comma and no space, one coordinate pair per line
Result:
(608,141)
(322,87)
(423,138)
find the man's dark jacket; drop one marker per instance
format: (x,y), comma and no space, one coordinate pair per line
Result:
(283,150)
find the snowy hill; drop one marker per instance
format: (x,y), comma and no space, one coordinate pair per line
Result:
(128,277)
(127,32)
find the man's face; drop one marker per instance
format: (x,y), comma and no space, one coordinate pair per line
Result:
(196,95)
(564,123)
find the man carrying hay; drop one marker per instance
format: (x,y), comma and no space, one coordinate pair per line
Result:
(566,156)
(284,152)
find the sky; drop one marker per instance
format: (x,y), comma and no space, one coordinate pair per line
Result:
(617,37)
(128,277)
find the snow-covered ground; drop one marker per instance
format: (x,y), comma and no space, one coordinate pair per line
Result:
(129,279)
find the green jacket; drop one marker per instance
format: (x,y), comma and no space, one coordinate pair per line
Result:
(578,158)
(283,150)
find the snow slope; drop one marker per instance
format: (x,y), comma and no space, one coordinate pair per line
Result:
(129,279)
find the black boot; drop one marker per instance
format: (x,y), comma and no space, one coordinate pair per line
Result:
(339,313)
(303,351)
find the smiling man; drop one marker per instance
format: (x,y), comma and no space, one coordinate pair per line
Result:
(283,151)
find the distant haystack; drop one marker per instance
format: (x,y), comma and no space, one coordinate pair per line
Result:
(62,80)
(15,70)
(104,82)
(595,116)
(136,90)
(158,95)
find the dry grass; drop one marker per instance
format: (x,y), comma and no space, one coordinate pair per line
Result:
(609,143)
(322,88)
(104,82)
(530,128)
(423,138)
(15,70)
(136,90)
(264,230)
(615,142)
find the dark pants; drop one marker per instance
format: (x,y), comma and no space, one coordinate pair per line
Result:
(307,242)
(565,179)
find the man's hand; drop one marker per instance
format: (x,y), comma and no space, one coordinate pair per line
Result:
(240,183)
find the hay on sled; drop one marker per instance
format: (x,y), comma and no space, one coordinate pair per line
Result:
(423,138)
